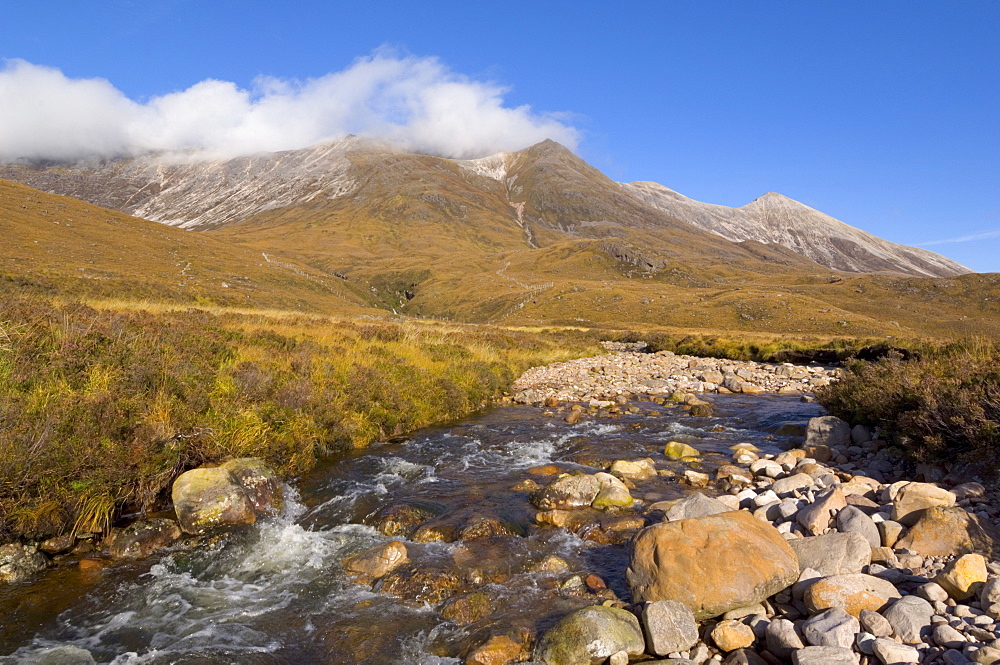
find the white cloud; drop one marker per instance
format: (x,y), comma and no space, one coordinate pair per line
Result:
(417,103)
(987,235)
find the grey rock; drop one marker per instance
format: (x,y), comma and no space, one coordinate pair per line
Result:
(833,553)
(854,520)
(954,657)
(909,616)
(743,657)
(65,655)
(875,623)
(990,593)
(831,628)
(695,505)
(19,562)
(791,483)
(782,639)
(860,434)
(828,431)
(865,643)
(947,637)
(932,591)
(592,634)
(824,656)
(670,626)
(891,653)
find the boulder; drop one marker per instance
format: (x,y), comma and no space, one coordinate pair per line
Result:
(611,493)
(142,538)
(711,564)
(19,562)
(234,494)
(468,608)
(590,636)
(913,498)
(695,504)
(377,561)
(963,577)
(831,628)
(875,624)
(890,532)
(498,650)
(64,655)
(832,553)
(670,627)
(420,585)
(824,656)
(852,593)
(852,519)
(909,616)
(944,531)
(828,431)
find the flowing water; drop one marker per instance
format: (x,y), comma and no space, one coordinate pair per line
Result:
(276,593)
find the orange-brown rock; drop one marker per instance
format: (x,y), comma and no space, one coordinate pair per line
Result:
(944,531)
(377,561)
(711,564)
(852,593)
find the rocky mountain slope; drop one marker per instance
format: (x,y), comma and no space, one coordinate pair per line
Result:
(544,193)
(776,219)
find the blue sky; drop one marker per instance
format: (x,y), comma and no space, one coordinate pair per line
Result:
(885,115)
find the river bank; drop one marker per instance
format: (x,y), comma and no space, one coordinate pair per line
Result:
(495,538)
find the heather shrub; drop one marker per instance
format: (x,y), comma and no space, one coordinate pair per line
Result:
(943,407)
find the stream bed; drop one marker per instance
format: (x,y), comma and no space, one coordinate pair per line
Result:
(276,593)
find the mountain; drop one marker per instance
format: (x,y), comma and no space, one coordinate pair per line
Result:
(776,219)
(535,237)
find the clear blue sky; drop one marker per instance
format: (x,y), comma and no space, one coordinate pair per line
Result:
(884,114)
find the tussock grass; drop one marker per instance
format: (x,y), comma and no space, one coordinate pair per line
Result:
(102,407)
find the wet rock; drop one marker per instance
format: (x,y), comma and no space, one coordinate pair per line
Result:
(832,553)
(831,628)
(442,530)
(377,561)
(913,498)
(909,616)
(401,520)
(64,655)
(420,585)
(964,576)
(635,470)
(711,564)
(498,650)
(678,450)
(19,562)
(468,608)
(824,656)
(703,410)
(259,481)
(891,653)
(234,494)
(142,538)
(670,627)
(695,504)
(591,635)
(480,527)
(612,493)
(782,639)
(567,492)
(827,431)
(852,593)
(58,544)
(943,531)
(852,519)
(731,635)
(816,517)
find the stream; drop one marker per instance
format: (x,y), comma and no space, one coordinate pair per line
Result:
(276,593)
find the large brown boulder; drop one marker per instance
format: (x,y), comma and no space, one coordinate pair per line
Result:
(911,499)
(711,564)
(944,531)
(236,493)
